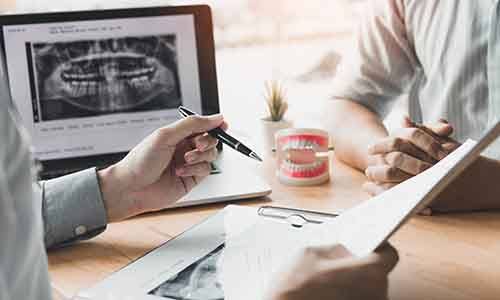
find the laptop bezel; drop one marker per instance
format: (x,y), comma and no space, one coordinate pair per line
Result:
(206,63)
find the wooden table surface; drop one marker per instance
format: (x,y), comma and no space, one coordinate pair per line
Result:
(441,257)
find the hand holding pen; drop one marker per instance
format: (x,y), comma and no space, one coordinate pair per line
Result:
(224,137)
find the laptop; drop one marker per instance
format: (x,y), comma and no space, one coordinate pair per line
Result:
(91,85)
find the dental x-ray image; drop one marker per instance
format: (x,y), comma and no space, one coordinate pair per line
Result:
(199,281)
(89,78)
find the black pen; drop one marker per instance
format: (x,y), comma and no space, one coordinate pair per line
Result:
(224,137)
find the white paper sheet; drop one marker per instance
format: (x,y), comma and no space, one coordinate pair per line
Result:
(254,253)
(363,228)
(251,259)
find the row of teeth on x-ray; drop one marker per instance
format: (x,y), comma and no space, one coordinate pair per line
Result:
(90,88)
(89,78)
(95,77)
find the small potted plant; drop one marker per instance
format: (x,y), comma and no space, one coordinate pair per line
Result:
(277,106)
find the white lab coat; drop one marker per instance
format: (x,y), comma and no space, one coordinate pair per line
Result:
(23,260)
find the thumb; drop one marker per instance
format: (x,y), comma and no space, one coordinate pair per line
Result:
(407,122)
(189,126)
(441,128)
(337,251)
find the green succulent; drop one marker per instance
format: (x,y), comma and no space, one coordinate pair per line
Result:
(276,100)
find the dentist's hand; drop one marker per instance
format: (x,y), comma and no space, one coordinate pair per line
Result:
(163,168)
(332,273)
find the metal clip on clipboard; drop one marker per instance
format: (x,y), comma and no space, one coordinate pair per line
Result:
(296,217)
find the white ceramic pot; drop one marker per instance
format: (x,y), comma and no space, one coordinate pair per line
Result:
(269,129)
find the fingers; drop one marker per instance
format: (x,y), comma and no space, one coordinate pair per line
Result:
(328,252)
(398,144)
(204,142)
(375,189)
(180,130)
(197,156)
(425,142)
(381,262)
(386,174)
(407,122)
(442,129)
(386,257)
(197,170)
(406,163)
(408,139)
(190,182)
(224,126)
(451,146)
(378,159)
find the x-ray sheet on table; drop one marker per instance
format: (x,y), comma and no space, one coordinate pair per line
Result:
(199,281)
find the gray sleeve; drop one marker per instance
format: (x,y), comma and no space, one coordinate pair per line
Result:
(383,64)
(72,208)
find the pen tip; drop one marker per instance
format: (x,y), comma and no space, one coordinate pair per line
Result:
(255,156)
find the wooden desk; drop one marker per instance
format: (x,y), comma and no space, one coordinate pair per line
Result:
(443,257)
(446,257)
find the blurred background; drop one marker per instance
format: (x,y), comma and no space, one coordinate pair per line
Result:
(298,42)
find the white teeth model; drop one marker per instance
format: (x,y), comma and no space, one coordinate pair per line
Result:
(296,144)
(293,172)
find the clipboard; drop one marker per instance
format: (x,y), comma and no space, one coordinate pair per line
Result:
(296,217)
(145,276)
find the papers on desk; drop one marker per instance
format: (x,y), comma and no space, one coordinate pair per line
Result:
(257,248)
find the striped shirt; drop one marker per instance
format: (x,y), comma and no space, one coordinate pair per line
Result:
(444,54)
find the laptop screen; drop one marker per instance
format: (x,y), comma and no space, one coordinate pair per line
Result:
(87,88)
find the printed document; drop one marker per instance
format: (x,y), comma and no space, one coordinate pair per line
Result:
(257,248)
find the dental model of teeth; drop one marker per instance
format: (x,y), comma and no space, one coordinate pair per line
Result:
(302,156)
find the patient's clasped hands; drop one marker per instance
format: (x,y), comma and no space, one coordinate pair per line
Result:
(406,153)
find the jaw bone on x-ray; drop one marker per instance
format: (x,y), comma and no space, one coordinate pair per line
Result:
(199,281)
(107,76)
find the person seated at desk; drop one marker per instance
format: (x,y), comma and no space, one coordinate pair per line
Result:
(444,55)
(155,174)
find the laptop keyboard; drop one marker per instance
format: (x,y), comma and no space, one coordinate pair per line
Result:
(58,173)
